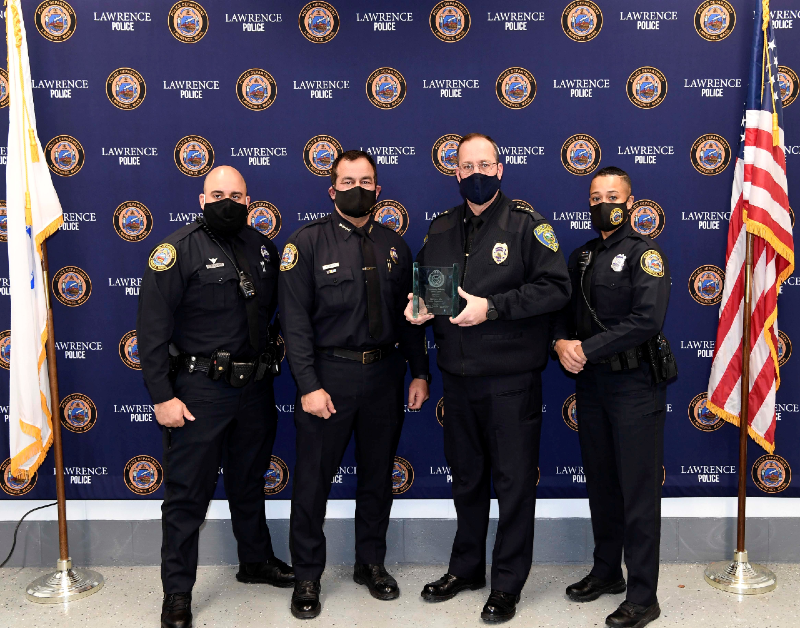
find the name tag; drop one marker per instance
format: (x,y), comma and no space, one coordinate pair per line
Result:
(329,266)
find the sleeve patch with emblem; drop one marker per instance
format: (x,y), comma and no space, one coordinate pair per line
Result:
(652,263)
(163,257)
(289,257)
(546,235)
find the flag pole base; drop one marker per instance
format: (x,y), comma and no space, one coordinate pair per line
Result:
(64,585)
(740,576)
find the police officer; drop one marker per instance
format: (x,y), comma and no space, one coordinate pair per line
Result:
(620,290)
(342,293)
(208,294)
(491,356)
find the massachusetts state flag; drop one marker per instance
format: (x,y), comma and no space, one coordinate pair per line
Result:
(33,214)
(759,205)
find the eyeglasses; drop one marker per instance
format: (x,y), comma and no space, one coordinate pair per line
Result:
(483,167)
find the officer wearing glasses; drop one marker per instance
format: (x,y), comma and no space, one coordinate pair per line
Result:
(491,355)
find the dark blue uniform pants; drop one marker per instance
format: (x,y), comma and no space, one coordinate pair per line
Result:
(233,428)
(492,427)
(621,429)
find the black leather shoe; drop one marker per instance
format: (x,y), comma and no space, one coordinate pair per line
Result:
(448,586)
(630,615)
(274,572)
(500,606)
(380,583)
(176,610)
(305,599)
(592,587)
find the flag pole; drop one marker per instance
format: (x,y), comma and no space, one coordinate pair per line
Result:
(65,584)
(740,576)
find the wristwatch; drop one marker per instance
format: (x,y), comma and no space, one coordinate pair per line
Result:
(491,312)
(427,378)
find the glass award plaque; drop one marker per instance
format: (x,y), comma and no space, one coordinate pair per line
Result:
(435,290)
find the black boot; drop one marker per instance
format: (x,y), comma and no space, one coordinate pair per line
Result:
(500,606)
(380,583)
(305,599)
(591,588)
(274,572)
(630,615)
(176,610)
(448,586)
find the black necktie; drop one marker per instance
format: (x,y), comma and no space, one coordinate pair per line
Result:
(373,285)
(473,224)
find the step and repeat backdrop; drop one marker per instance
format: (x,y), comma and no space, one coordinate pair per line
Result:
(137,99)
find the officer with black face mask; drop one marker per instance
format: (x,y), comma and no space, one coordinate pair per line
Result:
(206,299)
(609,335)
(342,290)
(513,277)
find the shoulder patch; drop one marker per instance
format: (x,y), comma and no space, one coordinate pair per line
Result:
(545,234)
(163,257)
(289,257)
(652,263)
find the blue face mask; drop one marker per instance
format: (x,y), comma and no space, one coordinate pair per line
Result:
(479,188)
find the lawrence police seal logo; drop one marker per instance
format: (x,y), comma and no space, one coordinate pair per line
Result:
(256,89)
(545,234)
(582,20)
(787,81)
(580,154)
(791,214)
(289,257)
(701,417)
(78,413)
(163,257)
(652,263)
(319,153)
(64,155)
(647,87)
(319,22)
(444,154)
(515,88)
(3,222)
(710,154)
(391,214)
(647,218)
(55,20)
(450,21)
(569,413)
(15,486)
(402,475)
(194,155)
(125,88)
(72,286)
(143,475)
(3,88)
(129,350)
(265,217)
(188,22)
(440,411)
(784,348)
(771,473)
(133,222)
(386,88)
(5,349)
(277,476)
(705,284)
(617,216)
(714,20)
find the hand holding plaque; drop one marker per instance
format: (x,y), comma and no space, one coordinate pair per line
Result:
(435,290)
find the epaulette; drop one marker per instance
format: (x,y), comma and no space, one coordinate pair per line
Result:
(521,206)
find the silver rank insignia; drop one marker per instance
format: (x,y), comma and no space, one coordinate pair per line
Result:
(618,263)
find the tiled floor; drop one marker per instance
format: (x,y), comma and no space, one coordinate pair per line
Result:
(132,598)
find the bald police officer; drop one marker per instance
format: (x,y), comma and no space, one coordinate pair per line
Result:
(208,294)
(609,335)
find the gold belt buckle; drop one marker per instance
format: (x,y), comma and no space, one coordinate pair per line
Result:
(374,352)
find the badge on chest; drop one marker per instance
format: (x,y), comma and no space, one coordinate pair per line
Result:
(618,263)
(500,252)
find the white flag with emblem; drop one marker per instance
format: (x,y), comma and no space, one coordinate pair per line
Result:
(34,213)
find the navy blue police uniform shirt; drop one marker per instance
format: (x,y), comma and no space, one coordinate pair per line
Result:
(189,296)
(323,296)
(629,290)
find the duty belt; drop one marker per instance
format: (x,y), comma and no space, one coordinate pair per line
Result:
(220,365)
(365,357)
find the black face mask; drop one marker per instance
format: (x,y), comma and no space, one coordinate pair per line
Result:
(609,216)
(225,217)
(356,202)
(479,188)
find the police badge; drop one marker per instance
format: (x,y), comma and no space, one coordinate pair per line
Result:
(500,252)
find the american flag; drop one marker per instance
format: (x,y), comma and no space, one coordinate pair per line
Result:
(759,205)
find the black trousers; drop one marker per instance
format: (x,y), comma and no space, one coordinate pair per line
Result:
(621,429)
(492,427)
(233,428)
(368,399)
